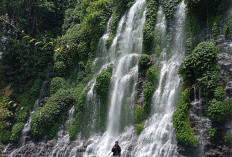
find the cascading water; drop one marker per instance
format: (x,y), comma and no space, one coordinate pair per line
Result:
(157,139)
(124,52)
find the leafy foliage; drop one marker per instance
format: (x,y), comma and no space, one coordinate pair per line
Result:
(169,8)
(139,128)
(212,133)
(139,114)
(102,84)
(201,67)
(56,84)
(79,111)
(5,114)
(218,110)
(152,77)
(181,121)
(149,27)
(16,132)
(143,63)
(46,117)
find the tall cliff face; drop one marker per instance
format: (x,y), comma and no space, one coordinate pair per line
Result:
(200,122)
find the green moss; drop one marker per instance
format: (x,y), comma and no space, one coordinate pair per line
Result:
(139,114)
(56,84)
(44,118)
(181,121)
(149,26)
(16,132)
(152,77)
(212,133)
(139,128)
(143,63)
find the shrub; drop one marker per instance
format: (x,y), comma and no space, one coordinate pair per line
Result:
(227,139)
(218,110)
(143,63)
(149,26)
(16,132)
(139,115)
(169,8)
(5,136)
(181,121)
(27,100)
(152,77)
(44,118)
(139,128)
(219,94)
(212,133)
(79,111)
(201,67)
(56,84)
(102,84)
(60,68)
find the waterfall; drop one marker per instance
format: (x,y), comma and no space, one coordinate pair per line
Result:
(124,53)
(157,139)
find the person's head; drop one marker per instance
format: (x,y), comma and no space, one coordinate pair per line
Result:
(116,143)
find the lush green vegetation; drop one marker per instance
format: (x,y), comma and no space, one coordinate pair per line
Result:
(102,84)
(5,113)
(78,122)
(152,77)
(169,9)
(143,63)
(56,84)
(149,27)
(201,67)
(139,128)
(139,114)
(212,133)
(45,119)
(219,107)
(102,89)
(16,132)
(181,121)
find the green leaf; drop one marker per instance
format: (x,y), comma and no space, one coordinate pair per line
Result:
(32,40)
(50,43)
(38,42)
(26,36)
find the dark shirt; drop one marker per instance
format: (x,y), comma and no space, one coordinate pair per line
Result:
(116,151)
